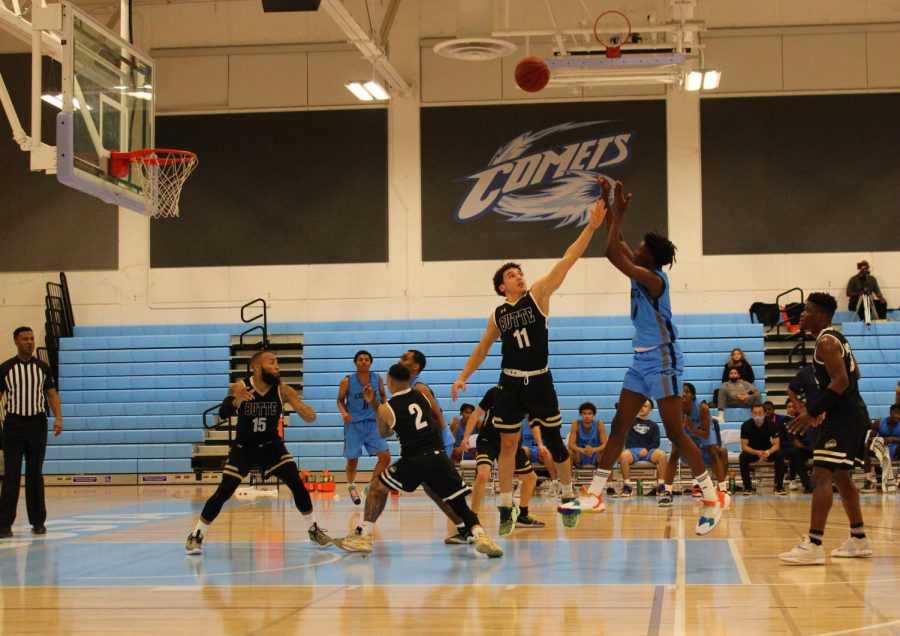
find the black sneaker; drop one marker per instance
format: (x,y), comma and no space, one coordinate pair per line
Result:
(508,516)
(6,532)
(665,500)
(611,492)
(781,492)
(529,522)
(462,537)
(41,529)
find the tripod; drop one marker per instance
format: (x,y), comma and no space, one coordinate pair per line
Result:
(865,308)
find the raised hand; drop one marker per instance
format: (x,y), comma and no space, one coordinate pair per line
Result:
(621,200)
(459,385)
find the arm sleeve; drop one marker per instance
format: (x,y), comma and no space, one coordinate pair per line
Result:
(227,409)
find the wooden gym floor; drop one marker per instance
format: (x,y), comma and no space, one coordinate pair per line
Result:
(113,562)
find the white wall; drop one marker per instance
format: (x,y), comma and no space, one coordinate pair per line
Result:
(229,56)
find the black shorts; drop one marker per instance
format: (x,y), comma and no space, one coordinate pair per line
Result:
(488,450)
(245,457)
(434,469)
(840,444)
(517,396)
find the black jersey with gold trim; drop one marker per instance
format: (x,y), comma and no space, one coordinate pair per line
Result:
(524,334)
(257,419)
(850,396)
(414,423)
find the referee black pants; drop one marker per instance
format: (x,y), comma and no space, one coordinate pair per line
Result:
(23,437)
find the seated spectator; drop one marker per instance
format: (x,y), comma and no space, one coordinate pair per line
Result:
(642,445)
(737,392)
(739,362)
(537,453)
(864,283)
(759,442)
(488,450)
(587,439)
(704,431)
(888,429)
(797,449)
(458,428)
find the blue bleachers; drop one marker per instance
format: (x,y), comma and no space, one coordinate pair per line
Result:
(133,394)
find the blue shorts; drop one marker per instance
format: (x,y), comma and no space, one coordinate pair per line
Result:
(363,434)
(588,460)
(704,443)
(704,452)
(448,439)
(656,374)
(635,454)
(533,455)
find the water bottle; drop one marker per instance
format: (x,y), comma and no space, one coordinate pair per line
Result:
(640,487)
(731,482)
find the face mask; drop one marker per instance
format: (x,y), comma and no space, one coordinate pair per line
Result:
(758,419)
(271,380)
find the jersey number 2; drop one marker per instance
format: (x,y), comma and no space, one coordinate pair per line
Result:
(521,336)
(415,409)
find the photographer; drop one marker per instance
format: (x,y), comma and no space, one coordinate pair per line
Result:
(865,283)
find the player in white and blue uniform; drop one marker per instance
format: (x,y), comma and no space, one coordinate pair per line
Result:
(657,367)
(360,431)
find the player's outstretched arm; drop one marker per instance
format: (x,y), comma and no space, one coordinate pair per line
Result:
(304,410)
(544,287)
(479,353)
(619,254)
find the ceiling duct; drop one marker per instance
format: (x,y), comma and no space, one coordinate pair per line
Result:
(474,20)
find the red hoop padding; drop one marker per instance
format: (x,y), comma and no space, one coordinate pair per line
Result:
(163,173)
(612,42)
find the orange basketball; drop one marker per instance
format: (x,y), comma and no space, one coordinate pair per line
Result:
(532,74)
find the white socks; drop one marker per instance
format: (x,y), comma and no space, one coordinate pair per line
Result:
(598,483)
(201,528)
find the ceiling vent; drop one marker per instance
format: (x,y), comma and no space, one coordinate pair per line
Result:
(473,29)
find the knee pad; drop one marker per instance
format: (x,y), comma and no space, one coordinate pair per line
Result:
(553,441)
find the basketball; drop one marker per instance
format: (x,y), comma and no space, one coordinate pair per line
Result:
(532,74)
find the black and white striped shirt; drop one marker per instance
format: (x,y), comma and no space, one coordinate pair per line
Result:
(25,384)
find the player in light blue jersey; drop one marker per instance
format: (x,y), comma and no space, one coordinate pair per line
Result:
(360,431)
(657,368)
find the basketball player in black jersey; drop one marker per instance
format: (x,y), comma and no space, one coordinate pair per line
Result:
(841,435)
(526,385)
(422,460)
(259,408)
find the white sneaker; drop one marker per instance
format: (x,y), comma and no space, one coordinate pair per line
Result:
(711,513)
(854,548)
(806,553)
(585,503)
(794,485)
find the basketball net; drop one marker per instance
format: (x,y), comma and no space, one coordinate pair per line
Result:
(612,29)
(163,173)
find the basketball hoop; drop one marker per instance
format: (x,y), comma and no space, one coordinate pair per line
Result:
(612,29)
(163,173)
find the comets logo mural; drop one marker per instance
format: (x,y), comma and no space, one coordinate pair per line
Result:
(516,181)
(555,183)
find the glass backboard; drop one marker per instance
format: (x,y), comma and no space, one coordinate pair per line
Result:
(108,104)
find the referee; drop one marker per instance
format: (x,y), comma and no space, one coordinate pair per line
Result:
(27,385)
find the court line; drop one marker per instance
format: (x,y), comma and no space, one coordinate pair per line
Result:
(680,590)
(853,630)
(739,563)
(785,613)
(659,595)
